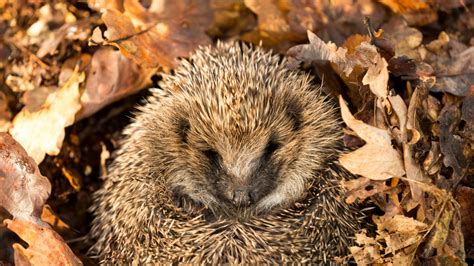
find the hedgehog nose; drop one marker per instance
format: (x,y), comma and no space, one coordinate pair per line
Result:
(241,196)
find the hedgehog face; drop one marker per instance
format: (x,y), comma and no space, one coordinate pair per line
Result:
(239,135)
(235,171)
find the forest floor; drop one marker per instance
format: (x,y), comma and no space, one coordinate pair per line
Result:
(72,72)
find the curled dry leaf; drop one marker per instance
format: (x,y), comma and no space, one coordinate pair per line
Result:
(271,19)
(111,77)
(399,231)
(405,39)
(72,31)
(451,144)
(406,118)
(377,159)
(368,250)
(42,131)
(362,188)
(395,243)
(456,74)
(363,57)
(317,49)
(5,114)
(288,21)
(417,12)
(402,6)
(377,76)
(160,34)
(465,197)
(468,116)
(45,247)
(23,190)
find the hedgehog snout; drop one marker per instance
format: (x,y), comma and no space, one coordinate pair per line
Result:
(241,196)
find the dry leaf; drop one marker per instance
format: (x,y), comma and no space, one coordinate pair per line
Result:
(283,22)
(408,230)
(451,144)
(406,120)
(369,250)
(456,76)
(349,63)
(5,114)
(48,216)
(362,188)
(23,190)
(42,131)
(402,6)
(271,18)
(377,77)
(160,34)
(71,31)
(377,159)
(111,77)
(317,49)
(467,116)
(45,247)
(404,38)
(465,197)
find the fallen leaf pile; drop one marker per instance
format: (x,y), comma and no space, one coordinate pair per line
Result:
(417,145)
(23,192)
(402,72)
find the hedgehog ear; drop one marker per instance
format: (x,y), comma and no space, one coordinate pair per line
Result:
(294,111)
(183,129)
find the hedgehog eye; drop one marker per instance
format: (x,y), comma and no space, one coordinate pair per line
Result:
(294,110)
(212,155)
(271,147)
(183,129)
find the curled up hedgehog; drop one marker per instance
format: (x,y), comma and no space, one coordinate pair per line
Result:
(233,160)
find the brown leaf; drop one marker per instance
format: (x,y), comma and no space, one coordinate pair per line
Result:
(288,21)
(111,77)
(42,131)
(468,115)
(465,198)
(377,77)
(349,63)
(160,34)
(404,38)
(399,231)
(402,6)
(377,159)
(48,216)
(451,144)
(406,119)
(395,243)
(71,31)
(446,237)
(45,247)
(416,12)
(5,114)
(317,49)
(362,188)
(23,190)
(231,18)
(456,76)
(409,69)
(271,19)
(368,251)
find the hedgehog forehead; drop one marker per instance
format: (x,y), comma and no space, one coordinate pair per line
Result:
(226,103)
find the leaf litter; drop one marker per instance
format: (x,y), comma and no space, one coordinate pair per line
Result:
(70,73)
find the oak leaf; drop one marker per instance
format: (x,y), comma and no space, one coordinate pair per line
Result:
(42,132)
(158,35)
(377,159)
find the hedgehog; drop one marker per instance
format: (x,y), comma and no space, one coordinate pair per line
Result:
(232,160)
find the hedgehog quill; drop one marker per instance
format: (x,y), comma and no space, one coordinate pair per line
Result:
(233,160)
